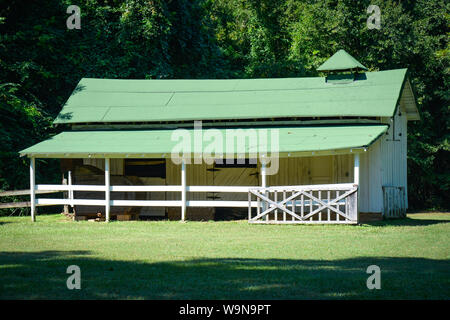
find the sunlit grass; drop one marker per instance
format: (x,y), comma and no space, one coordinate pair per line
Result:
(224,260)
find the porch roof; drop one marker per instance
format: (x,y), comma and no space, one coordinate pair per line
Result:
(293,141)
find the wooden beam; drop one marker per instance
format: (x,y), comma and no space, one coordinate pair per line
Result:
(26,192)
(81,202)
(290,154)
(220,203)
(74,187)
(9,205)
(55,188)
(107,190)
(32,189)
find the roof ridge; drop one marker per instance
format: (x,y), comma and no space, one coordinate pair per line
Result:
(233,79)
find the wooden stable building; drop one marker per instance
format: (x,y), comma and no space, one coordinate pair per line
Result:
(339,141)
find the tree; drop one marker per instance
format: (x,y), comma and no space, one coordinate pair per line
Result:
(41,61)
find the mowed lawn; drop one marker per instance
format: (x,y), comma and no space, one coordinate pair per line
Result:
(224,260)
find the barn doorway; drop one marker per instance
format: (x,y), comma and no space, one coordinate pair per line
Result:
(150,172)
(235,174)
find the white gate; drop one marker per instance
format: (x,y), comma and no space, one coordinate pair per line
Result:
(323,204)
(394,202)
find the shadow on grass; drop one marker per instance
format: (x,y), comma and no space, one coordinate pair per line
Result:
(406,222)
(42,275)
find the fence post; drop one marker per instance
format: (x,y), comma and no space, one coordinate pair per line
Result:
(183,190)
(32,189)
(356,181)
(70,188)
(107,191)
(352,201)
(249,205)
(65,194)
(263,184)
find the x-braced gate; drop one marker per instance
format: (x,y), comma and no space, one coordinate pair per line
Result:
(326,204)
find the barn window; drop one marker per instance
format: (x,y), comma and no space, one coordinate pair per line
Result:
(153,168)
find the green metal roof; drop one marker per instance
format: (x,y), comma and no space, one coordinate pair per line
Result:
(341,60)
(155,143)
(372,94)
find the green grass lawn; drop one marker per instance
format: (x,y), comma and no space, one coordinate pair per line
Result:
(224,260)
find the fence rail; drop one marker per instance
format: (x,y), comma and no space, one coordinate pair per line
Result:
(140,203)
(20,204)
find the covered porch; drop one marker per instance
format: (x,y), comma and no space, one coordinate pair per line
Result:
(327,203)
(267,201)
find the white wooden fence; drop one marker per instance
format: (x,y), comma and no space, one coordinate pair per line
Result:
(334,203)
(394,202)
(141,203)
(322,204)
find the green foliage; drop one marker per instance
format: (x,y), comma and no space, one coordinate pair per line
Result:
(41,61)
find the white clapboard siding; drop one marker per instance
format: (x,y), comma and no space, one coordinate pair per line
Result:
(313,170)
(370,192)
(384,164)
(394,153)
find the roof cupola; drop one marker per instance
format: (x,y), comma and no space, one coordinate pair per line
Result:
(341,67)
(341,61)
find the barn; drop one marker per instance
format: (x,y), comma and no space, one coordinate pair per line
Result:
(287,150)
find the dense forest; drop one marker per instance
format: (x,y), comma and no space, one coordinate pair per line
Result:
(41,61)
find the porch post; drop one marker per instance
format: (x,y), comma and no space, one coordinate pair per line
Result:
(32,190)
(263,174)
(356,181)
(69,175)
(66,206)
(107,190)
(356,169)
(183,190)
(263,184)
